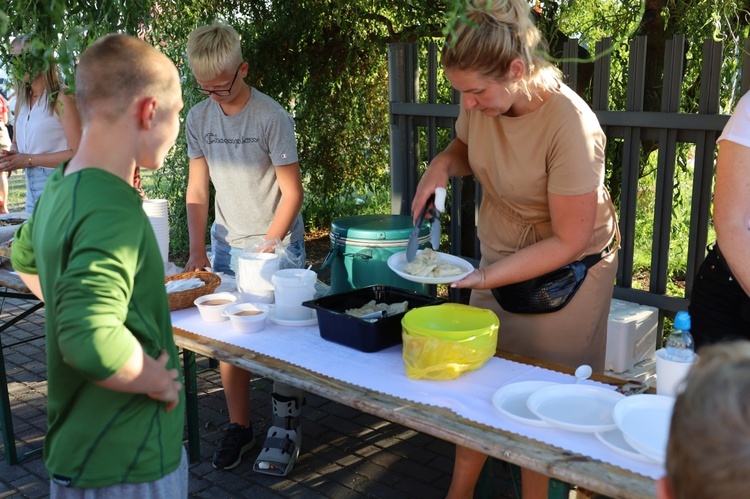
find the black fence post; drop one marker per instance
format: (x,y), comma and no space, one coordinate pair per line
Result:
(402,87)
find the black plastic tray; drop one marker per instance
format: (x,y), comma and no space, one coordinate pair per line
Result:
(361,334)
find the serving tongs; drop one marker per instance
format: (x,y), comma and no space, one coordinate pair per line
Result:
(413,244)
(435,205)
(374,316)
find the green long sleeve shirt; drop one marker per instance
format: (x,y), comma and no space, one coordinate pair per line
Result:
(102,277)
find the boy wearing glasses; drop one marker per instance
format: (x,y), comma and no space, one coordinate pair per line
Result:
(115,403)
(244,142)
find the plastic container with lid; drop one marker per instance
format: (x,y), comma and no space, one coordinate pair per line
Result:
(444,341)
(291,288)
(361,334)
(361,245)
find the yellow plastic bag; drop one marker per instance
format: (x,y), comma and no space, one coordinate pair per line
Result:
(439,359)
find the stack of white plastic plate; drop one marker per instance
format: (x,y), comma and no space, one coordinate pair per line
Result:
(576,407)
(644,421)
(512,400)
(157,211)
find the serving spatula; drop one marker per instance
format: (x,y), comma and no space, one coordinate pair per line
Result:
(435,229)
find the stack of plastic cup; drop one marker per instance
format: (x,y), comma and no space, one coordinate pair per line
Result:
(157,211)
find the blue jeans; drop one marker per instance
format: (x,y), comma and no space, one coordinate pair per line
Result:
(36,178)
(225,256)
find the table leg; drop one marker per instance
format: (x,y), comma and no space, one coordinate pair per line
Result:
(191,406)
(558,489)
(9,437)
(6,420)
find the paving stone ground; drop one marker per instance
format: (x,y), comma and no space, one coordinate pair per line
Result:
(345,453)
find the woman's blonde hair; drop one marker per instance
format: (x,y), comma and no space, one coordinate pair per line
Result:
(212,49)
(708,454)
(52,84)
(494,34)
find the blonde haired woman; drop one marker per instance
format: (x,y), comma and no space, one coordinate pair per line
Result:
(47,129)
(538,152)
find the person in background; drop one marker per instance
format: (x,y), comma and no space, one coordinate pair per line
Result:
(115,402)
(715,397)
(5,116)
(12,106)
(720,300)
(5,142)
(243,142)
(47,129)
(538,151)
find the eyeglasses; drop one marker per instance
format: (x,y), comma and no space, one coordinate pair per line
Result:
(220,93)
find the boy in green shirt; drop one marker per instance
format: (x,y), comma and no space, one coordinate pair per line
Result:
(115,405)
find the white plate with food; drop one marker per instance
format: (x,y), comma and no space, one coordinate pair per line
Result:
(511,401)
(576,407)
(430,267)
(644,421)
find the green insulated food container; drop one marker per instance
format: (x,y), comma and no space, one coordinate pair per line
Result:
(361,245)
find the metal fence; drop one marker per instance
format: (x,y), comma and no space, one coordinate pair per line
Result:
(631,128)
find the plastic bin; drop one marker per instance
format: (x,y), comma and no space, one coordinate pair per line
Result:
(360,247)
(361,334)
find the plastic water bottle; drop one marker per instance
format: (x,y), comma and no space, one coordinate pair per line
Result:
(680,346)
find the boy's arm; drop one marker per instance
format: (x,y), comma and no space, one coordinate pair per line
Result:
(32,282)
(90,320)
(142,374)
(290,184)
(92,300)
(196,198)
(23,258)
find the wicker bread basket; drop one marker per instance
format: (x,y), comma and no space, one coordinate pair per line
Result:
(184,299)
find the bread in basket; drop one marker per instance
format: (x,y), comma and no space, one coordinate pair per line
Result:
(185,299)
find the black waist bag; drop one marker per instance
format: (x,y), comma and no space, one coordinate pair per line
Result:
(547,293)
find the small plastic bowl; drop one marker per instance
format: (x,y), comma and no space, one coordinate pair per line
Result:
(247,317)
(212,306)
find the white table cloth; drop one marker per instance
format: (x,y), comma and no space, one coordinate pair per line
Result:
(469,396)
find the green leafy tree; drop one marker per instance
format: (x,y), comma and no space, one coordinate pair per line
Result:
(325,60)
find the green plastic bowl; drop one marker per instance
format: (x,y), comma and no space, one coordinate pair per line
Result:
(443,341)
(451,321)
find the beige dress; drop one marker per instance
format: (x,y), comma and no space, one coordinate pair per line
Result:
(558,149)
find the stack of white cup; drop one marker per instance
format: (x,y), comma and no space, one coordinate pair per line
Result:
(157,211)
